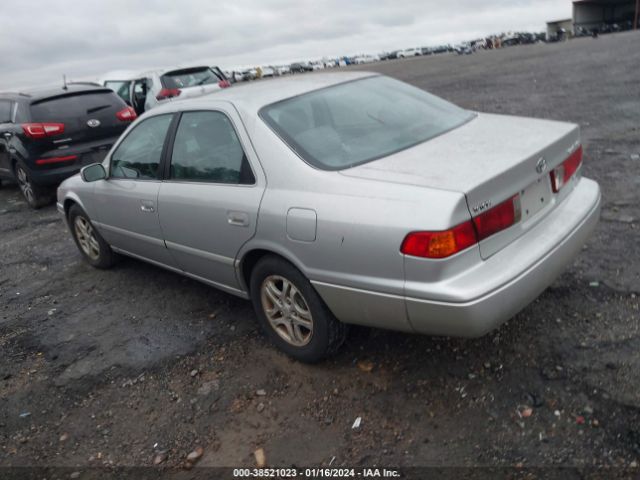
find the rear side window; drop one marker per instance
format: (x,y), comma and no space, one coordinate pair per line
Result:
(121,89)
(190,77)
(207,149)
(5,111)
(71,107)
(138,156)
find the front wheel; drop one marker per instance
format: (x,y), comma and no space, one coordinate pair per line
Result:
(35,196)
(93,247)
(291,312)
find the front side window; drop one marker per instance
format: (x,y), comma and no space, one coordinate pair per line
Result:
(357,122)
(138,156)
(207,149)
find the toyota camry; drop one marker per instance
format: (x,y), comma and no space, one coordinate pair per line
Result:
(342,198)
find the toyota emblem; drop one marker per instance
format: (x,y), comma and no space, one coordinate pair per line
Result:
(541,165)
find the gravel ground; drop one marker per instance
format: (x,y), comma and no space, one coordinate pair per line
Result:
(134,365)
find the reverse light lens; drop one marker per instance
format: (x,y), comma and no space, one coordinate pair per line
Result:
(439,244)
(42,130)
(168,93)
(499,218)
(563,172)
(127,114)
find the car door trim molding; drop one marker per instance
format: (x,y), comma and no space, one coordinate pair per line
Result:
(201,253)
(122,231)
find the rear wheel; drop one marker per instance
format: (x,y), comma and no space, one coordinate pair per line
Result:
(291,312)
(35,196)
(93,247)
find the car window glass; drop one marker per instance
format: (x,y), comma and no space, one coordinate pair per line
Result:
(5,111)
(193,77)
(138,156)
(121,89)
(207,149)
(357,122)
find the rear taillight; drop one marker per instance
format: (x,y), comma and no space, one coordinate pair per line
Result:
(563,172)
(127,114)
(449,242)
(42,130)
(499,218)
(439,244)
(166,93)
(224,84)
(50,160)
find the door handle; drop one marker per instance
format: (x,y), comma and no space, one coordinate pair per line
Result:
(147,207)
(238,219)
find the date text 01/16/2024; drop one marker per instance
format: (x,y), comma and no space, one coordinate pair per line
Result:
(315,473)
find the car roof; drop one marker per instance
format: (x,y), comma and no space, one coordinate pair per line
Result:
(35,94)
(253,96)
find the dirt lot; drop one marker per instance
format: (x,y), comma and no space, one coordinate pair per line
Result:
(125,366)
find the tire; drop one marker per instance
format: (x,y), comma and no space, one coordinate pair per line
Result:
(35,195)
(94,249)
(308,337)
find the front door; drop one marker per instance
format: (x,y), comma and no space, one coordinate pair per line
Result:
(209,200)
(127,201)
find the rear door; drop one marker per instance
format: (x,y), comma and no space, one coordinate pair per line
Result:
(91,125)
(126,203)
(209,200)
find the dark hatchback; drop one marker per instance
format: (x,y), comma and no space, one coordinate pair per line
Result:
(48,135)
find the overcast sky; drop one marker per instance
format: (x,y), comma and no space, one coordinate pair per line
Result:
(84,39)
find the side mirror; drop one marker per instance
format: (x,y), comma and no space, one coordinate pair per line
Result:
(93,172)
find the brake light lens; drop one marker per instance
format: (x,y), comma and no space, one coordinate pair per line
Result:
(449,242)
(499,218)
(439,244)
(563,172)
(42,130)
(48,161)
(166,93)
(127,114)
(224,84)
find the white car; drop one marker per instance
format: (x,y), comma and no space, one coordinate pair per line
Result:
(409,52)
(178,83)
(283,70)
(361,59)
(267,72)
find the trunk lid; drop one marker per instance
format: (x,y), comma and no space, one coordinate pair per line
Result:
(489,159)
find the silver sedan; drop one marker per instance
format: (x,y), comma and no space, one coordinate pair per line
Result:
(339,199)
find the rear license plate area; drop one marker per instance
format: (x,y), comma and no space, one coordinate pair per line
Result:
(535,198)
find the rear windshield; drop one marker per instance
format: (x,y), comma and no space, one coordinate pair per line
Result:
(74,106)
(356,122)
(191,77)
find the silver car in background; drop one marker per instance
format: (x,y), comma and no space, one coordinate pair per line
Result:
(337,199)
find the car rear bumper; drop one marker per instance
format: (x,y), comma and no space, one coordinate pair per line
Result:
(510,279)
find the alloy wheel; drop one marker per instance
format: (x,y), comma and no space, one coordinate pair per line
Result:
(86,238)
(287,310)
(25,185)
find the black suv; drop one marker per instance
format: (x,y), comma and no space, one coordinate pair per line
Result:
(48,135)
